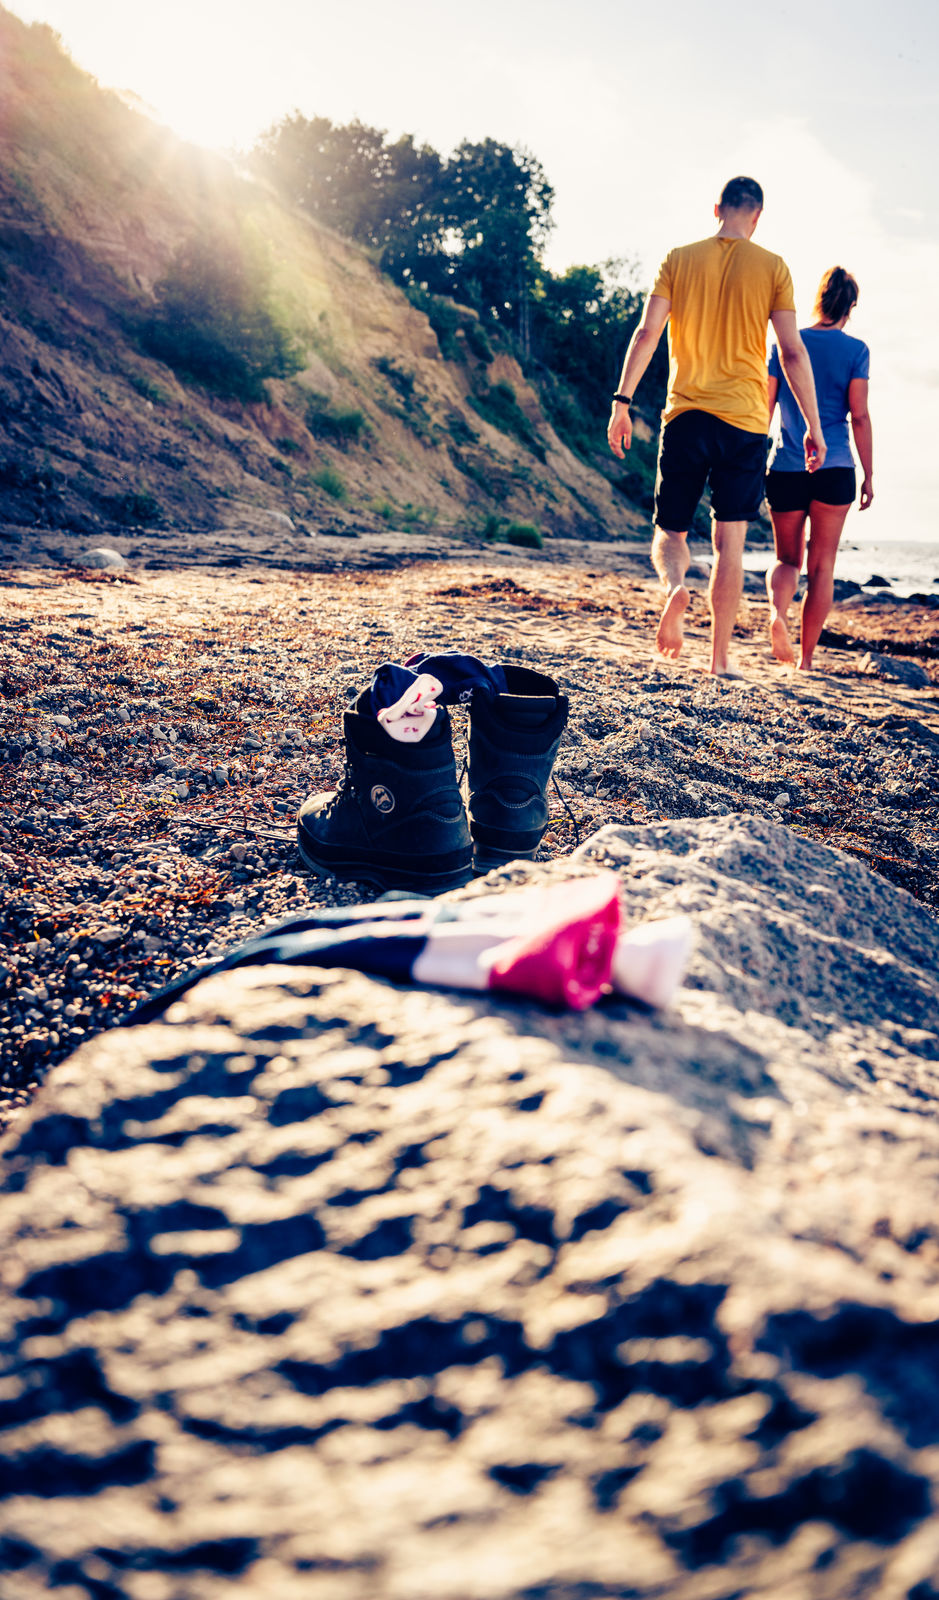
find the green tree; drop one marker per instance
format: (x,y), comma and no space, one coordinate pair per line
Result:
(497,204)
(350,177)
(218,318)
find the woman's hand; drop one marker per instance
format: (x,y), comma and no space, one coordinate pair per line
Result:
(867,493)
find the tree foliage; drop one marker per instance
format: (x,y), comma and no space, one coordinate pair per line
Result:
(350,177)
(471,227)
(218,318)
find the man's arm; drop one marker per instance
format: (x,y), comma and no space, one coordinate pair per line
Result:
(863,436)
(798,369)
(641,349)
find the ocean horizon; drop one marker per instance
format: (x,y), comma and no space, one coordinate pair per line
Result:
(909,566)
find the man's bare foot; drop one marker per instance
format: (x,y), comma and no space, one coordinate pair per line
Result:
(780,640)
(805,665)
(671,634)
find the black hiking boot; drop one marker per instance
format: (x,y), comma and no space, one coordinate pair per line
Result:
(513,741)
(397,818)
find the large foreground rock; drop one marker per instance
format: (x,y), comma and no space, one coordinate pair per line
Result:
(327,1289)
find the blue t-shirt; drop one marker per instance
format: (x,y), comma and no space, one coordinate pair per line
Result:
(836,358)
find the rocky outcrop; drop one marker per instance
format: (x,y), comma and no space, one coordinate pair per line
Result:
(323,1287)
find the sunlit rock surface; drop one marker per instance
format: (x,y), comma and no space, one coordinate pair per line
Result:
(327,1289)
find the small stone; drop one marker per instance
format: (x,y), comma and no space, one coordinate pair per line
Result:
(220,774)
(101,556)
(122,714)
(781,800)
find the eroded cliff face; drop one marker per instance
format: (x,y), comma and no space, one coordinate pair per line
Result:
(94,433)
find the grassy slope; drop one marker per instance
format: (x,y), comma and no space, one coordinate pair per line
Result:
(94,200)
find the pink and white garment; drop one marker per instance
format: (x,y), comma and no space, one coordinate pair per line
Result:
(563,944)
(404,698)
(412,714)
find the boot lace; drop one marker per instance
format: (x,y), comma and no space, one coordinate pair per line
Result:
(574,823)
(343,788)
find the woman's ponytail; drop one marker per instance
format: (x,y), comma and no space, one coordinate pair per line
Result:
(837,295)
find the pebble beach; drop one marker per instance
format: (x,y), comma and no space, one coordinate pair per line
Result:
(159,728)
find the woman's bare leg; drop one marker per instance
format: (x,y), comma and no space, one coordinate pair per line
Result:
(782,579)
(825,525)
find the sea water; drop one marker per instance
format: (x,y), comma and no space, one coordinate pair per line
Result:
(910,567)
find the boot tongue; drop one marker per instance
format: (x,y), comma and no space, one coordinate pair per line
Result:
(526,710)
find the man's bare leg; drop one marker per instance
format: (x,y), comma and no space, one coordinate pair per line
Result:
(670,559)
(725,590)
(782,580)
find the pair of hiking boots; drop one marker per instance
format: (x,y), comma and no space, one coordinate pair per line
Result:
(398,819)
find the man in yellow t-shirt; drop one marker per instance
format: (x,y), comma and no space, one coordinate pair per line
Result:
(717,296)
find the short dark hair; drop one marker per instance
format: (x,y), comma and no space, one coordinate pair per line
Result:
(742,194)
(837,295)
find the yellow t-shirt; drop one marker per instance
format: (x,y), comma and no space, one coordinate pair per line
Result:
(722,293)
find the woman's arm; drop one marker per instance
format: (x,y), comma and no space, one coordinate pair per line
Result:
(863,437)
(772,390)
(798,369)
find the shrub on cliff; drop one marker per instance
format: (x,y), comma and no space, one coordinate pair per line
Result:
(218,319)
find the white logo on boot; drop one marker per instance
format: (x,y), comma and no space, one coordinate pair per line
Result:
(382,799)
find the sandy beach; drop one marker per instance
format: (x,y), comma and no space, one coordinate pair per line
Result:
(160,727)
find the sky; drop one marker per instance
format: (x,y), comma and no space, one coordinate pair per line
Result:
(637,117)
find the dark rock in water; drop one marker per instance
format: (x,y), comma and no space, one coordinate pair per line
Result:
(326,1288)
(898,668)
(877,582)
(918,599)
(844,588)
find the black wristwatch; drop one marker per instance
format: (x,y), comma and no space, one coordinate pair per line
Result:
(626,399)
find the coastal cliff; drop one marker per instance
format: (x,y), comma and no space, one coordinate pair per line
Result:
(380,418)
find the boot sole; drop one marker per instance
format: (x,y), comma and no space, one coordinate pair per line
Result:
(486,859)
(385,876)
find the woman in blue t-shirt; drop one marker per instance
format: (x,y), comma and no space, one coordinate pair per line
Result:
(817,502)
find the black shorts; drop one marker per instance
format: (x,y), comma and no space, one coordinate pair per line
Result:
(795,491)
(696,447)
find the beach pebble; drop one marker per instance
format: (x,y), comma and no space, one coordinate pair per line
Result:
(781,800)
(103,557)
(900,669)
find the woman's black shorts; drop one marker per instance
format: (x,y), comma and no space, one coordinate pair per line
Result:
(795,491)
